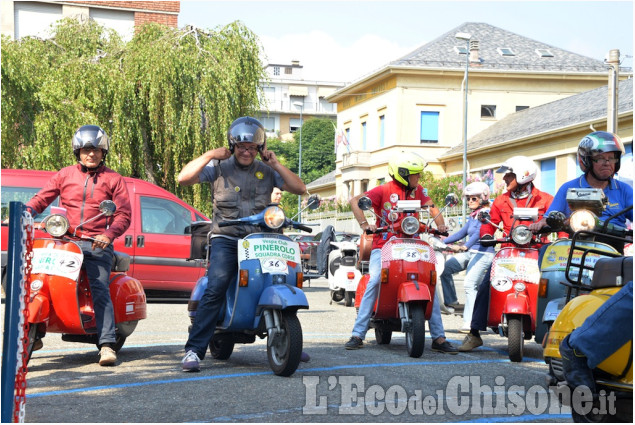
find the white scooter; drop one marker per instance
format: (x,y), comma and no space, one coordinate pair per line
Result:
(343,274)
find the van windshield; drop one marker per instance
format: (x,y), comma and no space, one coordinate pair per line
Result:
(22,194)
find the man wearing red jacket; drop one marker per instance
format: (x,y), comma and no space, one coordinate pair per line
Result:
(81,188)
(520,172)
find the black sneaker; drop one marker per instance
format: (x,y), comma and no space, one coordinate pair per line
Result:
(444,347)
(355,343)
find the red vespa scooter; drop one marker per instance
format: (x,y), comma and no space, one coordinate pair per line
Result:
(60,297)
(514,283)
(408,278)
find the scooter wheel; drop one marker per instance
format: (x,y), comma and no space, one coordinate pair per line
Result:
(285,350)
(337,296)
(221,347)
(348,298)
(515,338)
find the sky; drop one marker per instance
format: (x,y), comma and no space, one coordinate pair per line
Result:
(345,40)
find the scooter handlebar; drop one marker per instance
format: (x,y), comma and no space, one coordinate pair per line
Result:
(303,228)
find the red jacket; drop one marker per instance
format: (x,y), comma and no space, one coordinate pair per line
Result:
(384,198)
(81,192)
(503,209)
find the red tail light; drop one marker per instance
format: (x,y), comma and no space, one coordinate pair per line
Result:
(350,275)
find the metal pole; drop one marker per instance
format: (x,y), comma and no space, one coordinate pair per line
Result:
(614,67)
(12,310)
(465,79)
(300,166)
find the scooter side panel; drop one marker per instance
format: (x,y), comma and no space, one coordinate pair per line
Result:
(128,298)
(553,269)
(361,288)
(572,316)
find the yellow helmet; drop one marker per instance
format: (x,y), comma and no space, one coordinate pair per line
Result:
(404,165)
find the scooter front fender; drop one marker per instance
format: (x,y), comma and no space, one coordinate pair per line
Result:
(411,291)
(517,304)
(281,297)
(39,309)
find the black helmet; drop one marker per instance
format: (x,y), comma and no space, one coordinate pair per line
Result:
(246,129)
(596,143)
(90,136)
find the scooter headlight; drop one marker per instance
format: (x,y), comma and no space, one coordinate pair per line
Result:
(56,225)
(522,235)
(410,225)
(582,220)
(274,217)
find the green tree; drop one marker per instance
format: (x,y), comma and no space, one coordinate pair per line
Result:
(165,97)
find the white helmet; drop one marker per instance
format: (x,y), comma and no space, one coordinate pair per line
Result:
(524,168)
(477,188)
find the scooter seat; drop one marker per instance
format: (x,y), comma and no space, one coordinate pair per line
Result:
(608,269)
(121,262)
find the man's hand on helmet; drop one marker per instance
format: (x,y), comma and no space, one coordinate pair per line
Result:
(221,153)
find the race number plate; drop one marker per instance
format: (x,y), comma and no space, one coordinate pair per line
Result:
(515,268)
(411,253)
(272,253)
(57,262)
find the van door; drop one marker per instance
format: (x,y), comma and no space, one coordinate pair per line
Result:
(162,245)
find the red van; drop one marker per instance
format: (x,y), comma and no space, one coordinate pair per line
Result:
(158,239)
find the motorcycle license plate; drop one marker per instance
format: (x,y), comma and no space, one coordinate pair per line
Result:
(272,253)
(56,262)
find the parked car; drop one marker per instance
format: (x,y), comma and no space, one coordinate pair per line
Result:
(158,239)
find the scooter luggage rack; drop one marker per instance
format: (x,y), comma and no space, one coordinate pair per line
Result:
(575,283)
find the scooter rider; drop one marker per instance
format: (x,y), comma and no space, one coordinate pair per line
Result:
(520,172)
(81,188)
(471,256)
(242,187)
(599,157)
(405,171)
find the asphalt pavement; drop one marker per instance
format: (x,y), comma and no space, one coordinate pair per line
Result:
(374,384)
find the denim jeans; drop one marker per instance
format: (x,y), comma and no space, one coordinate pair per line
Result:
(454,264)
(477,268)
(223,268)
(606,330)
(370,298)
(481,303)
(98,263)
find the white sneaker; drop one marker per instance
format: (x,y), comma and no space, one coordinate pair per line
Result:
(191,362)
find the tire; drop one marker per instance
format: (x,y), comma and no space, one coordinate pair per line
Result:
(515,339)
(221,347)
(32,337)
(337,296)
(416,335)
(119,342)
(383,336)
(285,351)
(348,298)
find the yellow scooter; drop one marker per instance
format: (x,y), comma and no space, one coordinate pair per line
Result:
(614,376)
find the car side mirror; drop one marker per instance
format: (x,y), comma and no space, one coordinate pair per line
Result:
(364,203)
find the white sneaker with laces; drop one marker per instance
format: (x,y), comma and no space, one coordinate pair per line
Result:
(191,362)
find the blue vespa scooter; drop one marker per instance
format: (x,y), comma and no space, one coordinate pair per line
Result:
(266,295)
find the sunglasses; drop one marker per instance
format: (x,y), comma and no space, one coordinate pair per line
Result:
(473,198)
(605,160)
(252,149)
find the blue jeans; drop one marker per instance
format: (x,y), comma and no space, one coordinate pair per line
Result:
(453,265)
(481,304)
(606,330)
(223,269)
(369,299)
(98,263)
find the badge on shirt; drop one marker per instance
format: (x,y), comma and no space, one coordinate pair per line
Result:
(394,198)
(259,175)
(237,189)
(387,206)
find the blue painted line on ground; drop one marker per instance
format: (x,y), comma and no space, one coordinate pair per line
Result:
(522,418)
(248,374)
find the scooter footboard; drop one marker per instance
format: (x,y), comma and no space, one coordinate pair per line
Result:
(281,297)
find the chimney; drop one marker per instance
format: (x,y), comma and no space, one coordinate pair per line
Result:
(613,62)
(474,51)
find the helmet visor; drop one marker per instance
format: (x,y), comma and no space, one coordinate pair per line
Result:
(247,132)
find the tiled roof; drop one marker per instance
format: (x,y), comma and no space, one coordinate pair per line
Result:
(579,108)
(325,179)
(441,53)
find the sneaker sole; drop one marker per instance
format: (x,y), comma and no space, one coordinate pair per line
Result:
(107,362)
(444,352)
(191,369)
(354,348)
